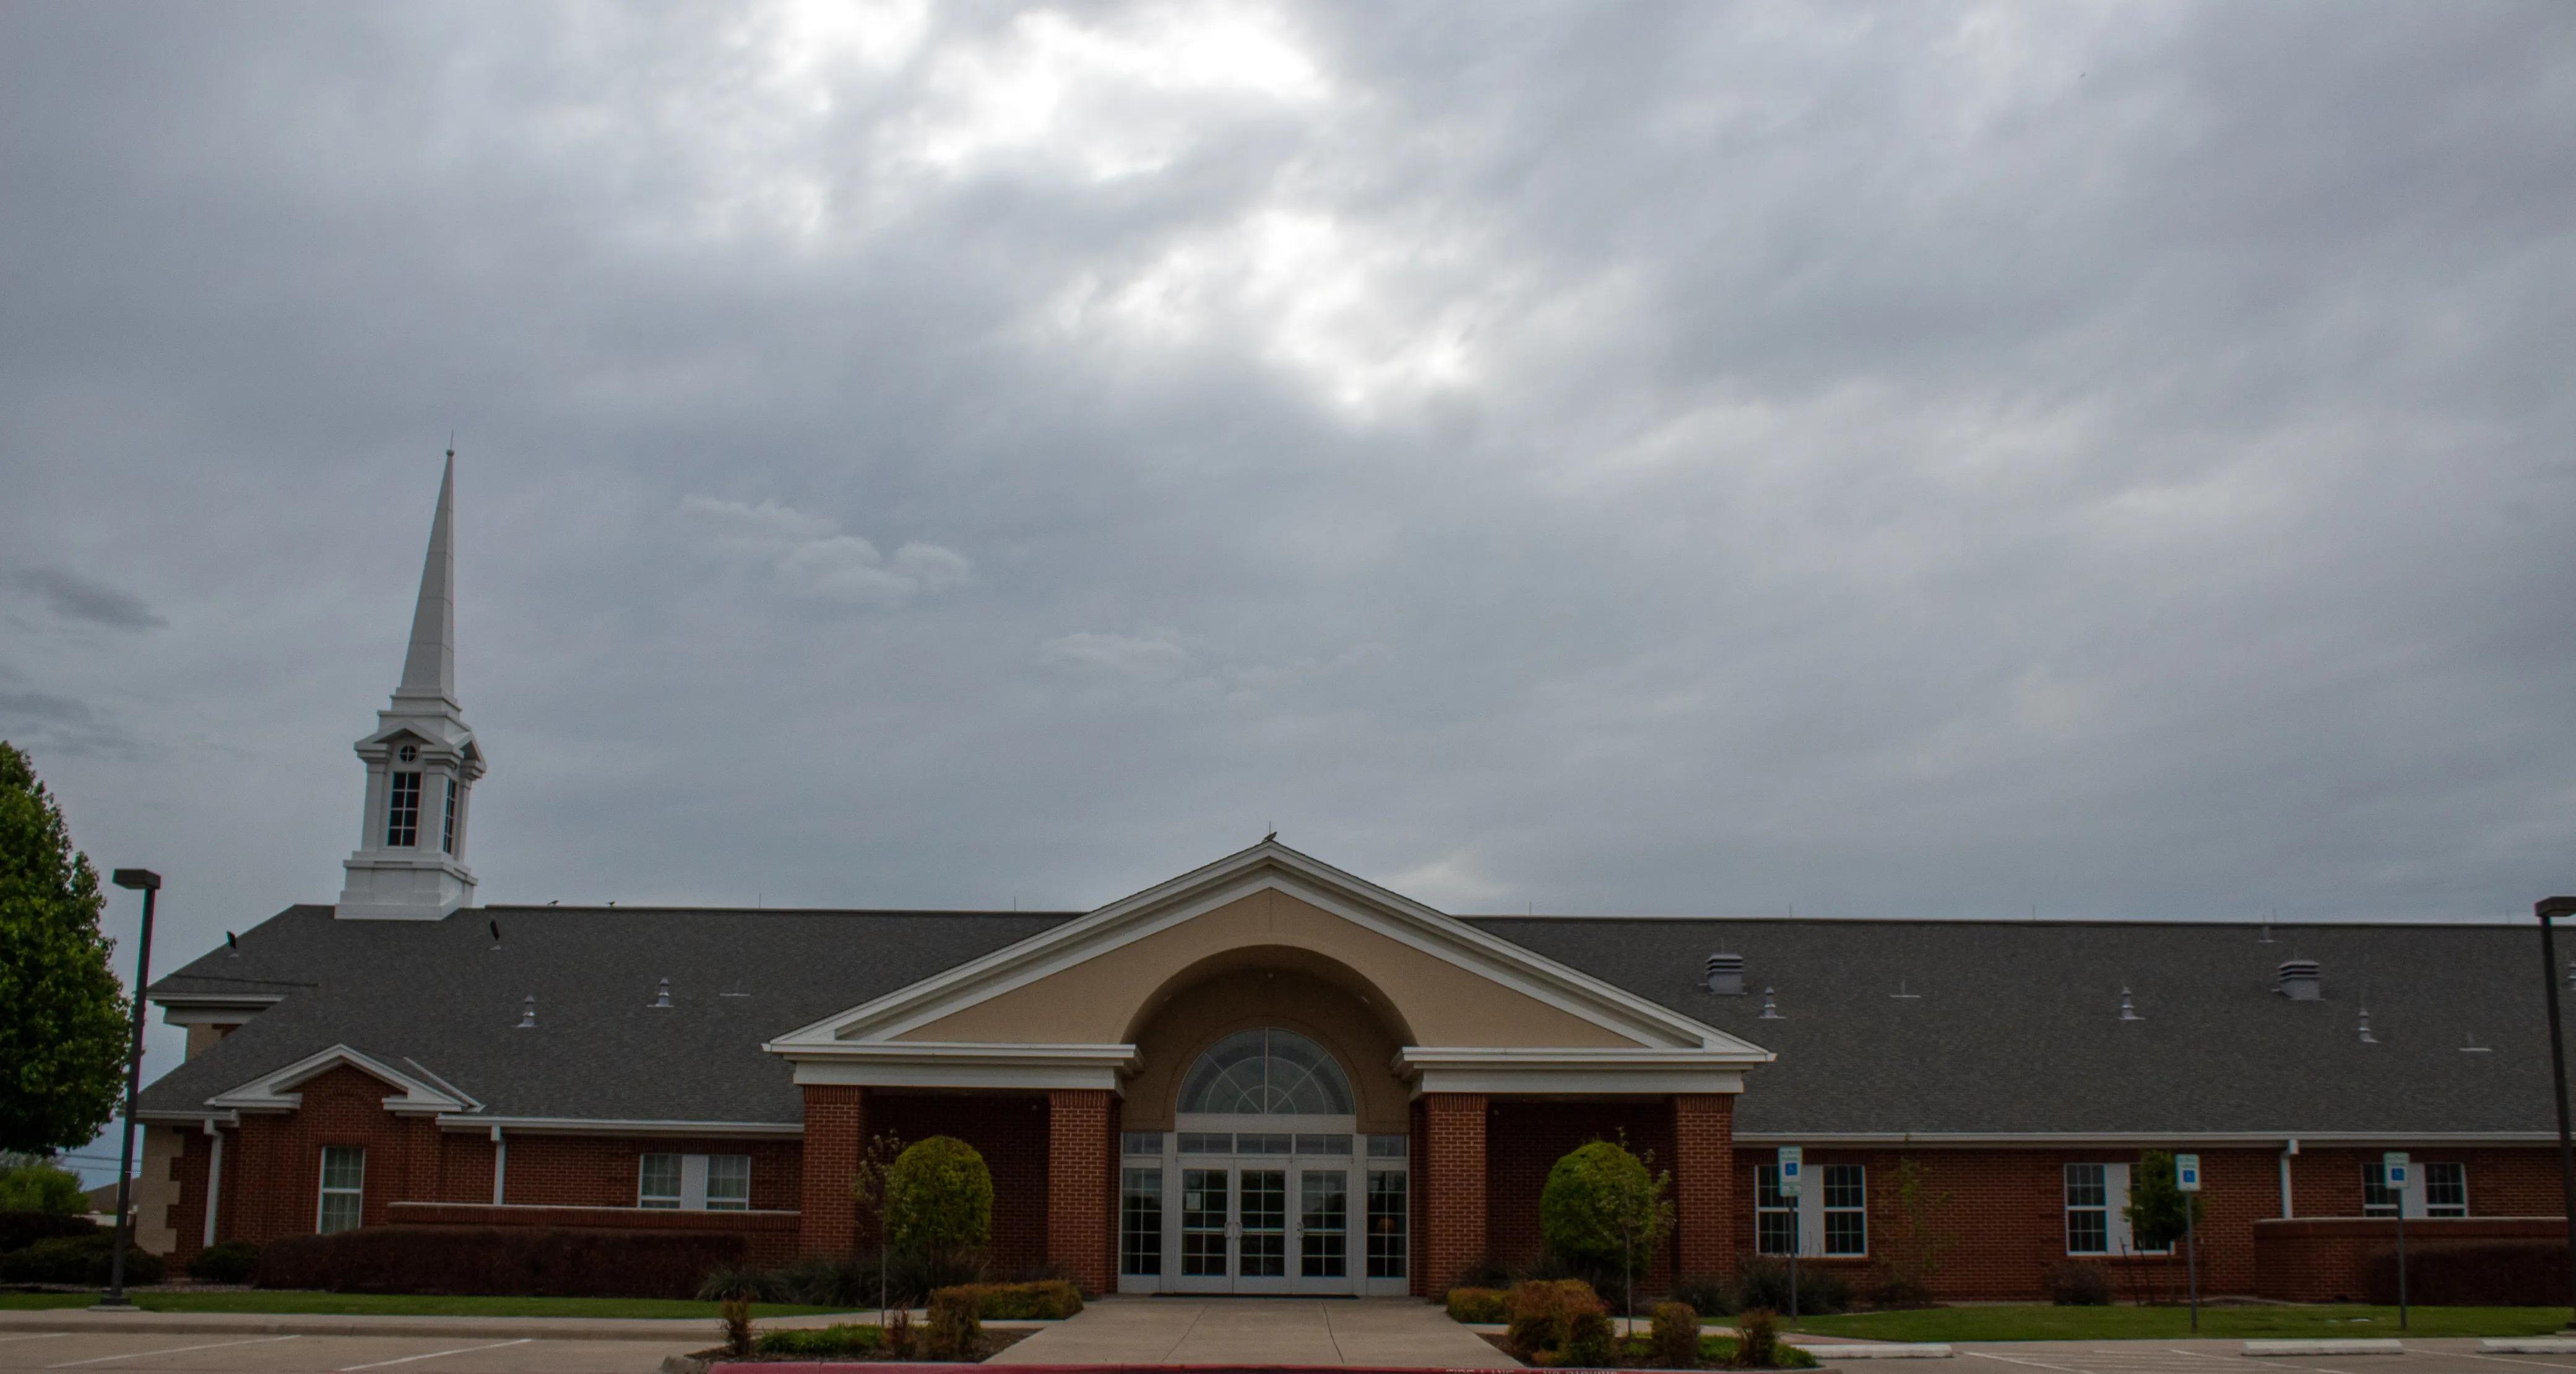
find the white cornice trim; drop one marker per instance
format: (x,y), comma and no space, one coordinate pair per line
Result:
(2056,1138)
(218,999)
(269,1092)
(1564,1072)
(574,1125)
(958,1064)
(1268,865)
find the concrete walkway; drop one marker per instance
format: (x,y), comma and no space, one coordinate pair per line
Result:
(1260,1331)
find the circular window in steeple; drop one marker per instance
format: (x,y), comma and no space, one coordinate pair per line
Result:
(409,754)
(1267,1072)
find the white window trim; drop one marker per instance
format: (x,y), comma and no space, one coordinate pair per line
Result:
(324,1192)
(2112,1221)
(1818,1228)
(2426,1191)
(2411,1200)
(693,1183)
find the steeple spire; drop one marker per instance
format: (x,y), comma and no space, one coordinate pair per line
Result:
(429,669)
(422,760)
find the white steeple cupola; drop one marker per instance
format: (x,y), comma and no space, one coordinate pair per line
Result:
(421,762)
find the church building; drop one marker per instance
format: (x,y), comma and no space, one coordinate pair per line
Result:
(1267,1075)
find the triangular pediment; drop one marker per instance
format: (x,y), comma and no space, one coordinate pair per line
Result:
(1449,987)
(418,1091)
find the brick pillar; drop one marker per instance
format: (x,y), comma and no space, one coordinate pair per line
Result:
(1079,1161)
(1704,1182)
(1453,1150)
(836,1132)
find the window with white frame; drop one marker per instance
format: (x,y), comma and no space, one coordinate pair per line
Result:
(1846,1209)
(2088,1209)
(1775,1218)
(344,1188)
(2446,1189)
(447,839)
(2377,1198)
(1140,1222)
(695,1183)
(402,811)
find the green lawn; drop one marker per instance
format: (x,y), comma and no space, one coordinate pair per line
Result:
(2037,1323)
(403,1305)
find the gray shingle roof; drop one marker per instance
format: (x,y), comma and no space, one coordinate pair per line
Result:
(441,994)
(2016,1028)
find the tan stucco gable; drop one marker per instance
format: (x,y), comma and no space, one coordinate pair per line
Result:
(1098,1000)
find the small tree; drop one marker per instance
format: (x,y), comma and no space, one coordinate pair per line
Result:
(1603,1206)
(63,1020)
(939,1202)
(2155,1210)
(868,1187)
(29,1184)
(1922,1238)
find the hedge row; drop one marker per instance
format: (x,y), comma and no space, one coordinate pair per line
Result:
(500,1261)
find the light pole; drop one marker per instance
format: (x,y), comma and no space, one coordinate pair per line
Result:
(2549,909)
(148,883)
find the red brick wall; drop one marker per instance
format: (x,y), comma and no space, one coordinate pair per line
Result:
(1417,1192)
(606,1171)
(836,1132)
(2511,1181)
(2327,1259)
(1080,1186)
(1452,1147)
(275,1162)
(187,1210)
(1704,1183)
(1011,1133)
(1523,1140)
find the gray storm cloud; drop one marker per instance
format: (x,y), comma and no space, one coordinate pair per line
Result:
(1947,460)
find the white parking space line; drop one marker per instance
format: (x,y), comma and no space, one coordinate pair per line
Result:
(172,1350)
(2035,1364)
(434,1354)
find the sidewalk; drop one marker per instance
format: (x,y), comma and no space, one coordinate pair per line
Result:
(684,1329)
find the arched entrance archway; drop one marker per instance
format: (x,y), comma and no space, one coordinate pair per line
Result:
(1265,1183)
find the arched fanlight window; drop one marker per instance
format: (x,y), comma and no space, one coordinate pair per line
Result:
(1266,1073)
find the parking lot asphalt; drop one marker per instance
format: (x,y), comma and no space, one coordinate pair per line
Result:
(2212,1357)
(213,1353)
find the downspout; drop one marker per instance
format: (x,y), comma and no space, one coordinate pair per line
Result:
(2288,1151)
(214,1178)
(500,1165)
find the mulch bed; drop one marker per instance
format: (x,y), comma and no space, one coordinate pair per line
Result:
(994,1342)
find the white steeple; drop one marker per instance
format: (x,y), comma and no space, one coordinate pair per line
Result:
(421,761)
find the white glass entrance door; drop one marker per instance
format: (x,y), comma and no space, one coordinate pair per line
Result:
(1261,1252)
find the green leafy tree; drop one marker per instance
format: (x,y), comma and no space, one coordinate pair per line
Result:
(2155,1210)
(1606,1208)
(28,1184)
(63,1020)
(939,1201)
(868,1189)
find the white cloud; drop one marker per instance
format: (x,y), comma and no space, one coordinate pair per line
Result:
(1158,657)
(809,557)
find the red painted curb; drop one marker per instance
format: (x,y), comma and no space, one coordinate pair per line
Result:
(891,1367)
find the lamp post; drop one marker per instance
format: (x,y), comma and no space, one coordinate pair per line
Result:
(147,882)
(2549,909)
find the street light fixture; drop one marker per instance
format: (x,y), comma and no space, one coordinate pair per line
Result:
(2549,909)
(147,882)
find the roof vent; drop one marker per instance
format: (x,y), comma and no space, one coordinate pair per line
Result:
(2128,1009)
(2301,980)
(662,999)
(1770,1006)
(1724,975)
(528,1018)
(2366,1037)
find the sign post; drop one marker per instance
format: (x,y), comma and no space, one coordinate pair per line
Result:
(1793,1164)
(2393,1175)
(2187,1180)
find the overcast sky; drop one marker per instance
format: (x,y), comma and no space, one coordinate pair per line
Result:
(1926,459)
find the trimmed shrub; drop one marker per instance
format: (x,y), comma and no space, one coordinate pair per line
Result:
(82,1260)
(18,1230)
(1709,1294)
(1479,1305)
(939,1200)
(2495,1274)
(229,1261)
(1757,1338)
(1045,1300)
(727,1281)
(1562,1322)
(1602,1208)
(501,1261)
(1763,1281)
(953,1331)
(1674,1335)
(821,1342)
(2074,1284)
